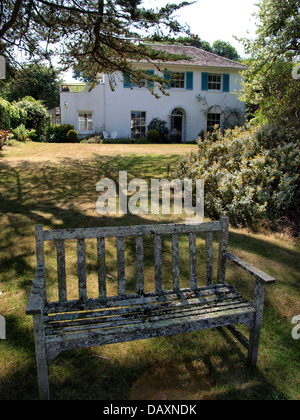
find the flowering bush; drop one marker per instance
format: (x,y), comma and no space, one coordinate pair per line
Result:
(4,135)
(243,178)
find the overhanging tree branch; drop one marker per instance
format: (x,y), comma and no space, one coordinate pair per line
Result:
(13,18)
(81,31)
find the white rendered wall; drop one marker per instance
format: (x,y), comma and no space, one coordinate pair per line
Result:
(112,109)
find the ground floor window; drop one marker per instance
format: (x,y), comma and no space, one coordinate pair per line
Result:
(212,120)
(138,124)
(85,121)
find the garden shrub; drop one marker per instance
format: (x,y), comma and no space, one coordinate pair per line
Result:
(21,133)
(72,136)
(153,136)
(33,136)
(58,133)
(161,127)
(245,178)
(37,114)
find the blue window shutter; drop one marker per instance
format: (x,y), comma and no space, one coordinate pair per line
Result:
(189,80)
(204,81)
(167,77)
(151,73)
(226,82)
(126,80)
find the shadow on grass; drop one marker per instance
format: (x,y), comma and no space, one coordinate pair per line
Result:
(219,372)
(54,195)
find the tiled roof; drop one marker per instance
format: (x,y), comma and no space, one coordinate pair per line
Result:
(198,57)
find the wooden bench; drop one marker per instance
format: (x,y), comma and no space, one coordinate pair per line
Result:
(85,322)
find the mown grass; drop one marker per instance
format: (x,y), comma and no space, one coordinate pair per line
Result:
(56,187)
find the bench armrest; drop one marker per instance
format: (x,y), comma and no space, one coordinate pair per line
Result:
(35,303)
(258,274)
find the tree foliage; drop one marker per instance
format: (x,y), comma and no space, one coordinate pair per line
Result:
(269,86)
(93,35)
(36,80)
(222,48)
(11,115)
(225,49)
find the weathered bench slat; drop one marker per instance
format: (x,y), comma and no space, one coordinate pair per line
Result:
(36,302)
(172,302)
(142,310)
(121,266)
(61,271)
(58,343)
(101,267)
(40,253)
(193,268)
(175,262)
(39,246)
(131,305)
(158,264)
(81,263)
(222,249)
(139,265)
(209,258)
(135,299)
(125,316)
(168,229)
(104,323)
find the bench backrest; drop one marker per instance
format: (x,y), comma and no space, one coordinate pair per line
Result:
(100,234)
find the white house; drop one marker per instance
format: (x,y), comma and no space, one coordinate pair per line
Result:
(202,93)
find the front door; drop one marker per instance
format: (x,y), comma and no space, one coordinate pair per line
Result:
(177,125)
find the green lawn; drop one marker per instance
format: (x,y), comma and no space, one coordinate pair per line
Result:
(55,185)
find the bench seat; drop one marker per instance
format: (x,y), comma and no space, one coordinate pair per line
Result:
(87,322)
(119,320)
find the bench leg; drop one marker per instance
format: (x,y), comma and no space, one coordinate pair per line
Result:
(41,358)
(255,331)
